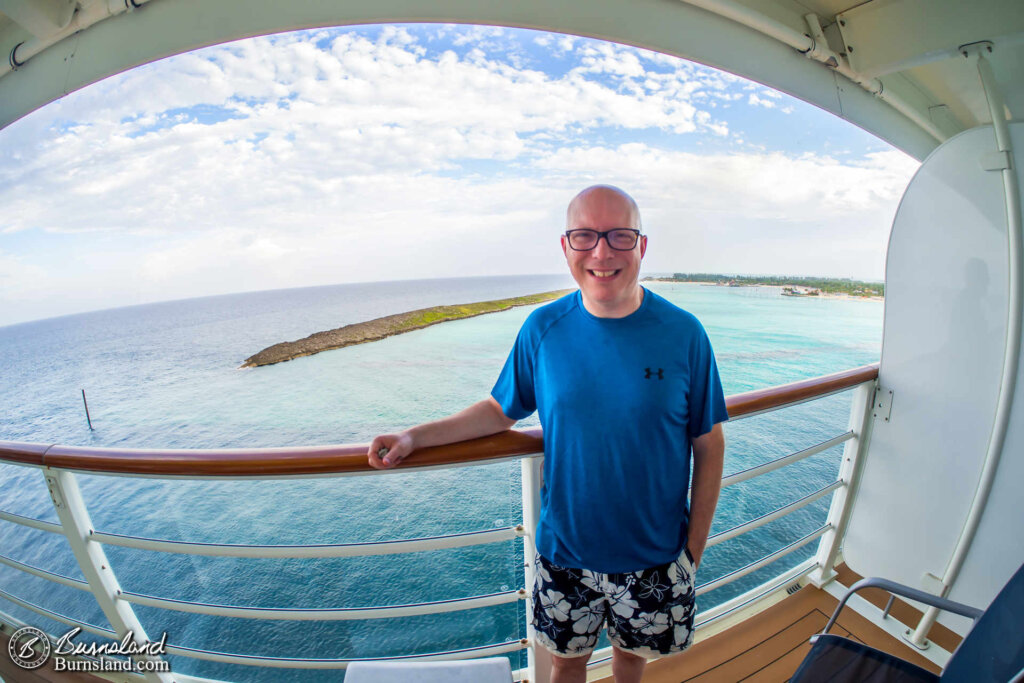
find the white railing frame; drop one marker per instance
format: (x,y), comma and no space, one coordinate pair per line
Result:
(538,659)
(854,457)
(92,560)
(101,581)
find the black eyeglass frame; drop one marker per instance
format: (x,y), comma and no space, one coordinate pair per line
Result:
(604,234)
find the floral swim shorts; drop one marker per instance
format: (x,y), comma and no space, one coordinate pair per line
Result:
(648,612)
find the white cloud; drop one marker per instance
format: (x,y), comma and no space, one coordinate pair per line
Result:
(605,58)
(754,212)
(566,43)
(749,185)
(17,277)
(478,34)
(305,123)
(336,156)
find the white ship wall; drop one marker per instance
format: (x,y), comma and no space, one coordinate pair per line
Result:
(942,356)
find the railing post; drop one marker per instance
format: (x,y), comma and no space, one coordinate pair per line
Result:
(74,518)
(849,471)
(538,658)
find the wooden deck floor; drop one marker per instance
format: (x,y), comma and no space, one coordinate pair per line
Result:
(768,647)
(11,673)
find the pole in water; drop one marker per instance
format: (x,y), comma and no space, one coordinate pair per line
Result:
(86,404)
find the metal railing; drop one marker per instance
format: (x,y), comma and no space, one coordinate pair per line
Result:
(59,464)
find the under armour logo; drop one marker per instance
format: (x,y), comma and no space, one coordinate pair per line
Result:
(648,374)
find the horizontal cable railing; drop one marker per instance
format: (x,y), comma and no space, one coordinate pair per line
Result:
(787,578)
(741,529)
(31,522)
(773,465)
(766,560)
(57,616)
(394,547)
(329,614)
(344,460)
(44,574)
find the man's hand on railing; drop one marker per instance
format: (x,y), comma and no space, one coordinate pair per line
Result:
(387,450)
(480,419)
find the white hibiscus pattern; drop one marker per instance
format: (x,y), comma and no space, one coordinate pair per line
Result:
(650,623)
(580,644)
(619,597)
(554,605)
(680,576)
(648,613)
(541,573)
(652,585)
(587,619)
(682,634)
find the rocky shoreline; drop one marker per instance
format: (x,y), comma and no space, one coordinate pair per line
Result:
(380,328)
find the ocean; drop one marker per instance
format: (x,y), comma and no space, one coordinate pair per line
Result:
(167,375)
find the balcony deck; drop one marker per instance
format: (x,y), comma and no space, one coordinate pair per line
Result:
(768,647)
(11,673)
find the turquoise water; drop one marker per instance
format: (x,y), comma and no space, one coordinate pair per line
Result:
(166,375)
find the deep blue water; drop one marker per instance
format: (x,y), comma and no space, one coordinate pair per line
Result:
(166,375)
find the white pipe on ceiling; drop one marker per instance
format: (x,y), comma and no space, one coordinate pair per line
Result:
(730,9)
(83,18)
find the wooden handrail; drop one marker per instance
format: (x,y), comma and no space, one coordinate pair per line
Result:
(795,392)
(306,460)
(24,453)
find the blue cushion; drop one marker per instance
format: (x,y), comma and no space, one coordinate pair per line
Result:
(835,659)
(994,649)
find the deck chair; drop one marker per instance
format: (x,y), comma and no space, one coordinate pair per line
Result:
(490,670)
(993,650)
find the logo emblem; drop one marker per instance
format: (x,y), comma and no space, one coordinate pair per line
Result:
(648,374)
(29,648)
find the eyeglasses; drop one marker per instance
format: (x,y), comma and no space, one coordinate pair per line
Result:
(585,239)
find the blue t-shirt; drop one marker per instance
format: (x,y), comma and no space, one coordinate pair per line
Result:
(620,400)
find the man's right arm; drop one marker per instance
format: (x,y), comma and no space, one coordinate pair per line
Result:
(480,419)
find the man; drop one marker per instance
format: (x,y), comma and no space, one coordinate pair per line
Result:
(625,384)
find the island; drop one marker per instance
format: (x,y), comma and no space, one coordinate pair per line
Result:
(790,285)
(380,328)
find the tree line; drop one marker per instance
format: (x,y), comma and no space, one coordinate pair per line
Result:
(827,285)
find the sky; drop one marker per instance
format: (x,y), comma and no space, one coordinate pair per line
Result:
(415,151)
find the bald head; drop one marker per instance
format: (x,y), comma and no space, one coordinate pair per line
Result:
(601,199)
(606,272)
